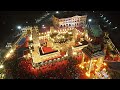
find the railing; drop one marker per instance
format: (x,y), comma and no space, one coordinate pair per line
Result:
(40,64)
(109,41)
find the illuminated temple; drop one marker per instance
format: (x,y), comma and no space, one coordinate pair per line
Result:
(69,40)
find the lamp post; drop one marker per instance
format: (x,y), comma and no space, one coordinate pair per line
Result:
(19,27)
(89,20)
(57,12)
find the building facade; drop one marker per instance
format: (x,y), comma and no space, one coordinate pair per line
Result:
(71,22)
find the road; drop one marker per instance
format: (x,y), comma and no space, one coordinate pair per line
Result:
(36,44)
(14,46)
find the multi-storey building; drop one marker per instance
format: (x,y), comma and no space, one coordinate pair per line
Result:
(71,22)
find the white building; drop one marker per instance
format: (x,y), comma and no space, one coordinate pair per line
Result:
(71,22)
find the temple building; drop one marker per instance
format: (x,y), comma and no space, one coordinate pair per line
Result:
(94,50)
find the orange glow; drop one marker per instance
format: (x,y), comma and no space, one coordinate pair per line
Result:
(81,66)
(96,69)
(88,62)
(104,69)
(105,64)
(94,60)
(87,74)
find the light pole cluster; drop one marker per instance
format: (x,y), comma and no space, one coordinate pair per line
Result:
(9,53)
(107,21)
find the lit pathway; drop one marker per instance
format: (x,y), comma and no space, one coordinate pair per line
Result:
(35,53)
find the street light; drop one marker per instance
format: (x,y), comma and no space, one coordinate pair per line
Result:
(89,20)
(1,66)
(19,27)
(30,38)
(101,16)
(57,12)
(11,51)
(104,18)
(109,22)
(115,28)
(43,26)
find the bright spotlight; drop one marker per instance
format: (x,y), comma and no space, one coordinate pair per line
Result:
(7,55)
(57,12)
(30,38)
(87,74)
(89,20)
(19,27)
(74,53)
(11,51)
(1,66)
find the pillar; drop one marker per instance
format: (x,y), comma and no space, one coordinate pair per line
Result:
(90,66)
(83,57)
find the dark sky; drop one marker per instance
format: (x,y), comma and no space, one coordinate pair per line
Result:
(10,19)
(113,16)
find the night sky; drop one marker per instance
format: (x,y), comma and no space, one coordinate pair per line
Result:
(10,19)
(114,17)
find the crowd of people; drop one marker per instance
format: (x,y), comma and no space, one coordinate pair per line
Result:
(59,68)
